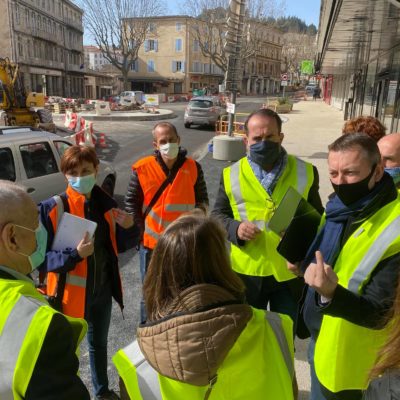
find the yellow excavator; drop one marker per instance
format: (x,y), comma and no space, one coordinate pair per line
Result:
(16,103)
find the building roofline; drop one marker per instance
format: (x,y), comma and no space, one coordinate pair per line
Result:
(72,4)
(161,17)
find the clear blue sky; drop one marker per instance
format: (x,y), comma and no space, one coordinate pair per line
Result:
(307,10)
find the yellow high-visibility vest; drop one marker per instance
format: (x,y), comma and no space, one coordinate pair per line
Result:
(251,202)
(24,320)
(259,366)
(345,352)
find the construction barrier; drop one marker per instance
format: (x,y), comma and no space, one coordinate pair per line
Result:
(71,120)
(102,108)
(102,141)
(221,126)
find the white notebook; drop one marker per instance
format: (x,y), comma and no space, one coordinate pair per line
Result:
(71,231)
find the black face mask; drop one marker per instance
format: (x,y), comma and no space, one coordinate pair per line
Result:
(350,193)
(265,153)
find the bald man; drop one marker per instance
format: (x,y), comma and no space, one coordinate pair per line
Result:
(37,344)
(389,147)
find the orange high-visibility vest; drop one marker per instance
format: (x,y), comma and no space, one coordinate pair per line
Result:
(73,301)
(177,198)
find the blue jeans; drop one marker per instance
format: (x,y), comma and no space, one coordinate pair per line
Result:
(99,316)
(144,261)
(315,393)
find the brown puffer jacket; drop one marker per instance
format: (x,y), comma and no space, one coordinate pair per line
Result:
(191,343)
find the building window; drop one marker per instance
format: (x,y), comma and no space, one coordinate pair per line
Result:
(152,27)
(178,44)
(178,26)
(196,45)
(135,66)
(197,66)
(150,45)
(20,48)
(178,66)
(17,15)
(150,66)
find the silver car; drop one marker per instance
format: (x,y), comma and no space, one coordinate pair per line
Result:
(203,110)
(32,158)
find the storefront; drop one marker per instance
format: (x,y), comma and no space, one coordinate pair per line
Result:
(359,58)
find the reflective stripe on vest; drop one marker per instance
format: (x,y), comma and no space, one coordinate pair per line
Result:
(275,322)
(24,321)
(11,340)
(140,379)
(76,280)
(341,360)
(249,201)
(177,198)
(264,342)
(73,302)
(301,185)
(374,254)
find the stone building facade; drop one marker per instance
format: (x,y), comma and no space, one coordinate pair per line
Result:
(170,60)
(45,37)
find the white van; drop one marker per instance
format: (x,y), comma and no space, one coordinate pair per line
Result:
(131,97)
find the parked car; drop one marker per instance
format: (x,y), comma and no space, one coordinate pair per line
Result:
(203,110)
(32,158)
(128,97)
(310,88)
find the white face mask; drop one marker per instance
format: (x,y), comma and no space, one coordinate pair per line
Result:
(169,150)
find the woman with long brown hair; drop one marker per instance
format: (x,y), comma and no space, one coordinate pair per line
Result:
(201,340)
(385,384)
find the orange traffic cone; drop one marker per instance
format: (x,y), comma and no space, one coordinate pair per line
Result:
(102,140)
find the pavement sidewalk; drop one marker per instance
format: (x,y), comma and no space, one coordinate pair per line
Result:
(310,128)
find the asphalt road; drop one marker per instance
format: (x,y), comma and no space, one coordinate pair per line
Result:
(127,142)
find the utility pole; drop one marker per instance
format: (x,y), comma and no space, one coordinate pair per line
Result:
(233,46)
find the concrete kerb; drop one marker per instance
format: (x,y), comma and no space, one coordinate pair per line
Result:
(122,116)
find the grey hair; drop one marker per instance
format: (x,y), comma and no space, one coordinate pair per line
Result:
(164,125)
(13,201)
(351,141)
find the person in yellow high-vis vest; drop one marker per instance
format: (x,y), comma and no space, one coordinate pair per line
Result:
(352,269)
(249,192)
(38,345)
(201,340)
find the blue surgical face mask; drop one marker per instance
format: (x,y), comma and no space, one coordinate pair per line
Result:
(37,257)
(394,173)
(82,184)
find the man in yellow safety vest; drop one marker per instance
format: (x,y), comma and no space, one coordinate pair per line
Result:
(37,344)
(352,270)
(249,193)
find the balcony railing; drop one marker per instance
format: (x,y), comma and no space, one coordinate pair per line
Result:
(75,68)
(40,33)
(40,62)
(75,24)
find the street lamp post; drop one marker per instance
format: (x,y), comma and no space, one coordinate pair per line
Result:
(233,46)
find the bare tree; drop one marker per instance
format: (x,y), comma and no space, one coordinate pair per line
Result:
(119,27)
(211,26)
(297,47)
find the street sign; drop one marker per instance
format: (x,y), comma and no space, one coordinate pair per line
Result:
(230,108)
(284,83)
(284,77)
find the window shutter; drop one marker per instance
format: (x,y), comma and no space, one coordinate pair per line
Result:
(173,66)
(183,66)
(146,45)
(156,45)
